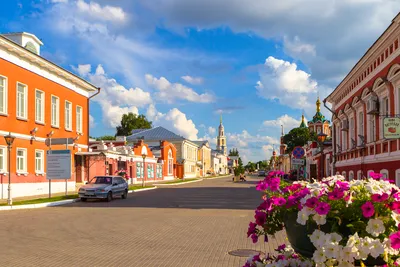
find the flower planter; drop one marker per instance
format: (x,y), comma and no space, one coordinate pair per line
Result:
(298,236)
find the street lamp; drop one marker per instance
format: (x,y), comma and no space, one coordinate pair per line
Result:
(321,139)
(9,140)
(119,163)
(144,157)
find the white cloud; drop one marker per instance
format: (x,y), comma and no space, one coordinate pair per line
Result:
(83,70)
(174,120)
(59,1)
(297,47)
(172,91)
(193,80)
(108,13)
(212,130)
(115,99)
(285,120)
(92,123)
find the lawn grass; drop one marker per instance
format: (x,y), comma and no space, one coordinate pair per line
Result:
(136,187)
(42,200)
(181,181)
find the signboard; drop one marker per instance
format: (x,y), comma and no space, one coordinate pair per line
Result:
(58,164)
(297,161)
(298,152)
(391,128)
(59,141)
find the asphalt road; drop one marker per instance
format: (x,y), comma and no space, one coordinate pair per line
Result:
(196,224)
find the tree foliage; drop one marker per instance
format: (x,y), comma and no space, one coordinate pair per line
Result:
(132,121)
(233,152)
(105,137)
(298,137)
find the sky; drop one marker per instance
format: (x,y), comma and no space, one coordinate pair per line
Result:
(183,63)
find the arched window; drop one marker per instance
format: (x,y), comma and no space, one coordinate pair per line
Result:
(385,174)
(351,175)
(170,162)
(359,175)
(344,174)
(398,177)
(368,172)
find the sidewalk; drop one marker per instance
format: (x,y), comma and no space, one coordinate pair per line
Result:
(15,199)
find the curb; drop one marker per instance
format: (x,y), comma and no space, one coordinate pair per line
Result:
(41,205)
(144,189)
(226,176)
(195,181)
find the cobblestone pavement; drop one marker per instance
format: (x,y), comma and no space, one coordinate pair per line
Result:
(188,225)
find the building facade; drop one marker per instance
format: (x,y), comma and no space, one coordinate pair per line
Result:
(204,157)
(38,100)
(367,95)
(221,138)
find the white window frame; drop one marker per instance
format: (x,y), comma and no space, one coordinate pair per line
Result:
(351,175)
(344,174)
(41,170)
(359,175)
(398,177)
(4,160)
(68,117)
(360,123)
(170,162)
(57,115)
(385,174)
(352,130)
(25,169)
(79,122)
(25,115)
(371,128)
(42,108)
(5,95)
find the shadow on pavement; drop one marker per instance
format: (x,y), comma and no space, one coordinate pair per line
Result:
(241,198)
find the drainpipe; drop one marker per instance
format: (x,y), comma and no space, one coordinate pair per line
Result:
(88,122)
(334,138)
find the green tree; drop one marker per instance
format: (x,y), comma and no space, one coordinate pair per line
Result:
(298,137)
(233,152)
(105,137)
(132,121)
(250,166)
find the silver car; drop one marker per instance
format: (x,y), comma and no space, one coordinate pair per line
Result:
(104,187)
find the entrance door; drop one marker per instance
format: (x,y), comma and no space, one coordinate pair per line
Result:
(313,171)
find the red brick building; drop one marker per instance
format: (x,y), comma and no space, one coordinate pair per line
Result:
(368,94)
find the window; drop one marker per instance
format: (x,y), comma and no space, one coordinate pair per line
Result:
(398,177)
(359,175)
(371,128)
(360,126)
(39,161)
(68,115)
(39,106)
(55,111)
(139,170)
(3,95)
(385,174)
(21,101)
(344,174)
(170,162)
(79,119)
(352,131)
(351,175)
(21,160)
(150,171)
(3,157)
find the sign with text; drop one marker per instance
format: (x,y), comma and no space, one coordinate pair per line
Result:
(391,128)
(58,164)
(297,161)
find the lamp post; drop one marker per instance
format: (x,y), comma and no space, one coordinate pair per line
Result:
(321,139)
(119,163)
(144,157)
(9,140)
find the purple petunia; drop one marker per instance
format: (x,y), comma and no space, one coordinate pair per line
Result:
(395,240)
(368,209)
(379,197)
(279,201)
(254,237)
(322,208)
(335,194)
(312,202)
(252,229)
(260,217)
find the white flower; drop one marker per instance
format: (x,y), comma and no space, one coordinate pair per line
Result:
(348,253)
(353,241)
(319,219)
(375,227)
(332,250)
(388,247)
(377,248)
(396,217)
(345,264)
(302,217)
(318,238)
(365,246)
(333,238)
(288,251)
(319,256)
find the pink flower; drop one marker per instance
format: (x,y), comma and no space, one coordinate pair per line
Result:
(252,229)
(254,237)
(335,194)
(343,185)
(312,202)
(379,198)
(260,217)
(368,209)
(395,240)
(322,208)
(274,184)
(281,247)
(261,186)
(375,176)
(280,201)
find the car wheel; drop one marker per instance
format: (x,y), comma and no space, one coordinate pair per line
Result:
(109,197)
(125,194)
(83,199)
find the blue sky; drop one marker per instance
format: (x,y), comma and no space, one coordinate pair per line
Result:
(259,63)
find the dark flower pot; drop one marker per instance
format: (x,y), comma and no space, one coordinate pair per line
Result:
(298,236)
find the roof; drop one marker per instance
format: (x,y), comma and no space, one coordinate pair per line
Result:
(200,142)
(89,86)
(318,117)
(24,33)
(88,153)
(157,133)
(396,18)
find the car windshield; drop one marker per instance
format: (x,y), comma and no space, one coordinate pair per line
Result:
(102,180)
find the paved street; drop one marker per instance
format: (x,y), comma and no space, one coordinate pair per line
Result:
(189,225)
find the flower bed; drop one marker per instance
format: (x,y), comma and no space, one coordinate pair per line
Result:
(334,222)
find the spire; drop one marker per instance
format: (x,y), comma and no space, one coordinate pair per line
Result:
(303,123)
(318,104)
(220,119)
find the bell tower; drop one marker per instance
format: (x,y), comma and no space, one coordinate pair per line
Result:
(221,139)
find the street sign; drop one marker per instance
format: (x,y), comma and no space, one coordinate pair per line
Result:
(298,152)
(58,164)
(297,161)
(391,128)
(59,141)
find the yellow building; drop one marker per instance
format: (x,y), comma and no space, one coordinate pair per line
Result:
(204,157)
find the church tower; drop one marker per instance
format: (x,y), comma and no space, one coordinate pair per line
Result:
(221,139)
